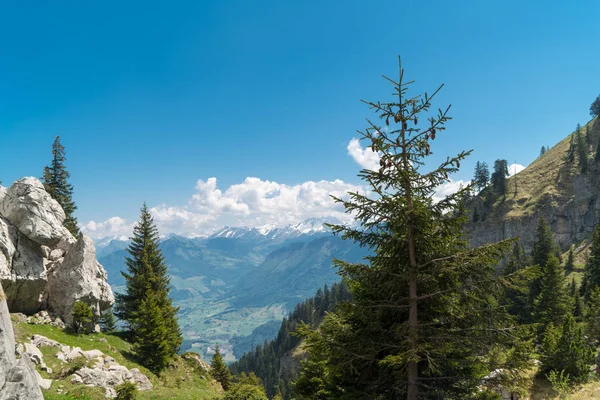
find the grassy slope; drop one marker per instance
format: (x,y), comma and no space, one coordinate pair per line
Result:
(186,381)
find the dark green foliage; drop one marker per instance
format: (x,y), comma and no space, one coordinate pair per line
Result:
(570,157)
(578,306)
(219,370)
(595,107)
(107,321)
(519,277)
(543,247)
(592,316)
(565,349)
(82,317)
(56,182)
(152,345)
(499,177)
(553,302)
(591,276)
(246,387)
(582,149)
(314,382)
(264,360)
(145,306)
(481,177)
(570,264)
(424,320)
(126,391)
(543,151)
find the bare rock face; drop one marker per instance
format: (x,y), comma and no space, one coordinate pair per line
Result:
(35,214)
(78,276)
(42,266)
(18,378)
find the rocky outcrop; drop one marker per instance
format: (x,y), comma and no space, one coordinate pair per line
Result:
(101,370)
(18,378)
(42,266)
(551,188)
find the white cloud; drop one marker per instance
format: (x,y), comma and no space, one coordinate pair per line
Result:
(515,169)
(253,202)
(366,158)
(448,188)
(114,226)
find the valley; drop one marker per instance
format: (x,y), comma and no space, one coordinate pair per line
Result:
(234,286)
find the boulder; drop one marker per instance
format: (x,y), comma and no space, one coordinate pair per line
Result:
(7,340)
(78,277)
(35,214)
(42,266)
(18,379)
(34,354)
(109,378)
(39,341)
(22,382)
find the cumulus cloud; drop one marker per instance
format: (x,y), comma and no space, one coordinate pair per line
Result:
(366,158)
(114,226)
(515,169)
(253,202)
(448,188)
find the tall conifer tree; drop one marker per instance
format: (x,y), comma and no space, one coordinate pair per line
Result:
(591,276)
(56,182)
(499,177)
(553,302)
(219,370)
(145,306)
(425,299)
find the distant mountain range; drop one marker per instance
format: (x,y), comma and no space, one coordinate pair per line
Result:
(240,279)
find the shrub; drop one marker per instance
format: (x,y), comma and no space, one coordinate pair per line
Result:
(126,391)
(82,317)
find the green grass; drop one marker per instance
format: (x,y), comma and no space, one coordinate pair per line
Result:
(183,380)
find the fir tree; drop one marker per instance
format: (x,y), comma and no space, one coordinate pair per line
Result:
(543,151)
(595,107)
(425,299)
(519,277)
(566,350)
(145,306)
(82,317)
(570,264)
(481,177)
(219,370)
(570,157)
(578,306)
(152,345)
(592,316)
(107,321)
(591,275)
(499,177)
(543,247)
(582,149)
(553,302)
(56,182)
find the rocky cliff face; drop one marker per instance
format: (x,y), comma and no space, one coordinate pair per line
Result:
(18,379)
(42,266)
(553,188)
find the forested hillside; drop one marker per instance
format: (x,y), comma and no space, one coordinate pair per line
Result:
(277,361)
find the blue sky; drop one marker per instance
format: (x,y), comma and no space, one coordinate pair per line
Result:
(150,97)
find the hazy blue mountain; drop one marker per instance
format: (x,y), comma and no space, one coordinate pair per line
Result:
(293,272)
(235,286)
